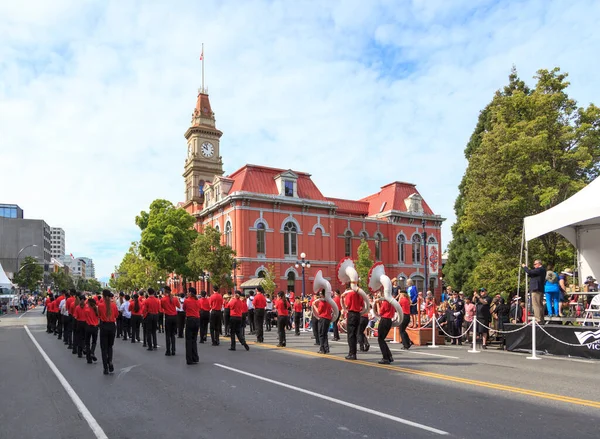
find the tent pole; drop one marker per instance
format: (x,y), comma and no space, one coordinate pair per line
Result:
(519,276)
(578,266)
(527,293)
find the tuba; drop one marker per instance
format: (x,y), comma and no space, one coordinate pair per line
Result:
(348,274)
(320,283)
(378,279)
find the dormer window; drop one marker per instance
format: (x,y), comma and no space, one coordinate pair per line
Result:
(288,188)
(287,184)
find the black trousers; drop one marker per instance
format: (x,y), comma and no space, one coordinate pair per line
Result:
(79,342)
(180,323)
(352,326)
(161,321)
(281,324)
(244,317)
(107,340)
(297,319)
(125,327)
(336,330)
(226,320)
(384,327)
(403,333)
(236,331)
(151,327)
(68,330)
(314,324)
(191,339)
(119,324)
(362,338)
(145,329)
(204,321)
(215,325)
(48,321)
(136,321)
(170,331)
(251,320)
(269,318)
(59,324)
(323,334)
(259,321)
(91,338)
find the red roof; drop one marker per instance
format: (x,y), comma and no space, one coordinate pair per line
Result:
(393,195)
(203,106)
(350,206)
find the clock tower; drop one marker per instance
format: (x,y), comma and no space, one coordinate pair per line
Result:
(203,160)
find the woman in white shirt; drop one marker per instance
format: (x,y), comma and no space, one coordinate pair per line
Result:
(126,317)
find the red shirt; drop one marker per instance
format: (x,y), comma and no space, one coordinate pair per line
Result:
(102,312)
(152,305)
(132,306)
(405,305)
(244,305)
(236,307)
(90,316)
(298,307)
(169,305)
(354,301)
(204,303)
(386,310)
(281,305)
(70,305)
(56,303)
(292,297)
(324,310)
(338,301)
(79,314)
(48,304)
(191,307)
(259,301)
(216,302)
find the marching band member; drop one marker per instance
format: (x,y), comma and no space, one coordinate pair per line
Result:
(227,314)
(119,303)
(191,306)
(63,308)
(180,316)
(236,307)
(72,304)
(59,322)
(108,314)
(204,315)
(152,306)
(354,301)
(169,306)
(216,315)
(297,315)
(135,307)
(48,305)
(269,313)
(244,301)
(314,321)
(323,311)
(79,315)
(338,301)
(386,312)
(91,330)
(259,303)
(281,305)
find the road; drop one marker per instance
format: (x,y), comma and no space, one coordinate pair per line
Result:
(288,393)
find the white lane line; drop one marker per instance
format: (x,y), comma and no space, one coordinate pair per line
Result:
(96,429)
(23,313)
(338,401)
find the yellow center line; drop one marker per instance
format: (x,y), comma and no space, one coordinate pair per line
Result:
(502,387)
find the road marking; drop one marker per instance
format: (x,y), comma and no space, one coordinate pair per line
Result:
(126,370)
(96,429)
(410,352)
(501,387)
(338,401)
(23,313)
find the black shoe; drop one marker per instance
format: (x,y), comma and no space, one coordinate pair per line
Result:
(79,355)
(483,346)
(144,345)
(189,363)
(361,348)
(202,341)
(317,344)
(94,359)
(90,362)
(149,349)
(168,354)
(336,339)
(70,347)
(367,347)
(247,347)
(279,345)
(391,359)
(232,349)
(383,362)
(350,357)
(320,351)
(59,337)
(132,340)
(105,372)
(453,343)
(111,368)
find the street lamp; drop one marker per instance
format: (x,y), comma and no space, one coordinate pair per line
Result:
(304,264)
(19,255)
(235,266)
(426,286)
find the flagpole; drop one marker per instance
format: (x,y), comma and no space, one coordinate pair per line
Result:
(203,91)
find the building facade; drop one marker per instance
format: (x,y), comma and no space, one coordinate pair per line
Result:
(90,270)
(270,216)
(10,211)
(57,242)
(77,267)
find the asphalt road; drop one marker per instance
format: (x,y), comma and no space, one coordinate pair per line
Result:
(290,393)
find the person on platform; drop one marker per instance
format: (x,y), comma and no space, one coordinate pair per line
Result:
(386,313)
(455,313)
(516,312)
(537,279)
(226,314)
(91,330)
(191,307)
(108,314)
(352,305)
(136,318)
(236,309)
(281,305)
(260,304)
(297,316)
(152,307)
(216,315)
(483,315)
(413,294)
(323,311)
(180,316)
(204,303)
(169,304)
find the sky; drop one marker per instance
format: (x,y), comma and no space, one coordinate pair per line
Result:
(95,97)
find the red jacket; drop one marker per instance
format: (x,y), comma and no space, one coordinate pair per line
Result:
(236,307)
(79,314)
(216,302)
(102,312)
(259,302)
(152,305)
(169,305)
(90,316)
(386,310)
(354,301)
(281,305)
(132,306)
(191,307)
(324,309)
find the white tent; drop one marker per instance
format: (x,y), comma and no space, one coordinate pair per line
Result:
(578,220)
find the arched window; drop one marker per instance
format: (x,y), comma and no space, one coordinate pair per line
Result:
(401,249)
(431,240)
(416,249)
(289,239)
(419,282)
(291,281)
(260,238)
(228,234)
(363,235)
(378,247)
(262,274)
(348,243)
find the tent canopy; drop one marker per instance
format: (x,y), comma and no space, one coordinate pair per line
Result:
(4,281)
(578,220)
(252,283)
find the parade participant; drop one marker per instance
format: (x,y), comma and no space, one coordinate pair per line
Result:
(180,316)
(414,298)
(108,314)
(91,330)
(250,306)
(135,308)
(63,308)
(59,322)
(404,302)
(314,321)
(226,313)
(281,305)
(454,317)
(125,317)
(259,303)
(191,306)
(169,306)
(297,315)
(79,315)
(152,307)
(363,341)
(204,315)
(386,313)
(236,312)
(338,301)
(354,302)
(70,329)
(161,316)
(269,313)
(119,302)
(244,312)
(323,311)
(216,315)
(48,305)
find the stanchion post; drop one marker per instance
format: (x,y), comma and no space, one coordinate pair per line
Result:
(433,323)
(474,350)
(533,341)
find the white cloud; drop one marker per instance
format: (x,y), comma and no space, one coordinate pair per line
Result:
(95,97)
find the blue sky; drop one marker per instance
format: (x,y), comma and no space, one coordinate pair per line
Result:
(95,96)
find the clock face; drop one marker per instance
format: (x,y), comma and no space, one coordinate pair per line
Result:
(189,150)
(208,149)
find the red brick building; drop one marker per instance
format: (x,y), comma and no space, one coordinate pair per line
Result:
(271,216)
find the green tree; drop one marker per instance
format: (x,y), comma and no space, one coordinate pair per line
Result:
(167,236)
(135,272)
(364,264)
(62,281)
(268,283)
(209,255)
(30,274)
